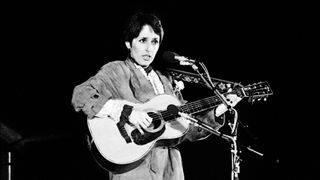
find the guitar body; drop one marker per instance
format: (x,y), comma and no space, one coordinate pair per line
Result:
(111,150)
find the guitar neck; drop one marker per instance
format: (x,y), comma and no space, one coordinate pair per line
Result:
(257,90)
(200,105)
(189,108)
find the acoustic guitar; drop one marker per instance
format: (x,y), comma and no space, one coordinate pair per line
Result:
(121,147)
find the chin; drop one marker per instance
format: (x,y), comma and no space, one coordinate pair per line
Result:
(146,63)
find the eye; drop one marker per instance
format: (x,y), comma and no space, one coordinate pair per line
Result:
(155,42)
(143,40)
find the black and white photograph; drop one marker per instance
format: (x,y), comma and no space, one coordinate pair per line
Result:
(157,90)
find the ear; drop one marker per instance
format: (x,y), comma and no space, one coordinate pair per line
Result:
(128,44)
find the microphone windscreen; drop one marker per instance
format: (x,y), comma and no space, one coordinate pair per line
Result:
(168,56)
(172,109)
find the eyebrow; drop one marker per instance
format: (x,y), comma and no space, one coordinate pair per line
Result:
(153,38)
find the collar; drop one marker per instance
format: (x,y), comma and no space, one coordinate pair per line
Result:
(146,69)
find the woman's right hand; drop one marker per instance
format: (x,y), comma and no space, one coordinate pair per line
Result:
(140,119)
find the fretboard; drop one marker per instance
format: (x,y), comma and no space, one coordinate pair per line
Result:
(200,105)
(257,90)
(189,108)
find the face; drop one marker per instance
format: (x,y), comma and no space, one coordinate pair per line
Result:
(144,48)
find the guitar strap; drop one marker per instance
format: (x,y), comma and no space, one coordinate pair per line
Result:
(89,140)
(124,118)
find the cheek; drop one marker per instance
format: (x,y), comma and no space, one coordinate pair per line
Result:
(155,49)
(137,48)
(134,50)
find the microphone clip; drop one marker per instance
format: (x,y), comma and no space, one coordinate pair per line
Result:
(184,61)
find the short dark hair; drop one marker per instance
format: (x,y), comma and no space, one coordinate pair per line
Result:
(136,23)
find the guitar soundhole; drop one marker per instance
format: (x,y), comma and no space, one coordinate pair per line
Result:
(154,125)
(153,132)
(156,121)
(146,137)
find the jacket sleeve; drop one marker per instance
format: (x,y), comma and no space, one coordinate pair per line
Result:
(90,96)
(208,117)
(111,82)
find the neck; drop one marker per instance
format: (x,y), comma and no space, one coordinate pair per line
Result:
(146,68)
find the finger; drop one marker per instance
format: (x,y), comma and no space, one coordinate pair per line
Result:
(146,117)
(143,125)
(146,123)
(139,129)
(149,119)
(234,98)
(230,96)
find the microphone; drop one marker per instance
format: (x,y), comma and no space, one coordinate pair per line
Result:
(173,57)
(173,110)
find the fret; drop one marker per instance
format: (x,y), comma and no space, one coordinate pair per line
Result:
(200,105)
(259,90)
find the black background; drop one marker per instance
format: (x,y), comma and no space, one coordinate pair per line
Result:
(48,48)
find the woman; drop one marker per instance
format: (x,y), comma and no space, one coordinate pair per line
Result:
(133,80)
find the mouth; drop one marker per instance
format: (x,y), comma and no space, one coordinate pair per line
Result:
(146,57)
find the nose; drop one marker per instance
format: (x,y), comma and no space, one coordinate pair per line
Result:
(149,47)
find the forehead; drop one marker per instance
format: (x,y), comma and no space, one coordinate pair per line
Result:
(147,31)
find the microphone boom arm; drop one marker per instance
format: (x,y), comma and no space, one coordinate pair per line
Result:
(194,78)
(210,84)
(206,127)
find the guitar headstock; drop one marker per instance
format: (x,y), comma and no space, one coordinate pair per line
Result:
(257,91)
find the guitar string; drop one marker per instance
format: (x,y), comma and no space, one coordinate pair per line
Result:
(209,101)
(213,99)
(193,105)
(196,105)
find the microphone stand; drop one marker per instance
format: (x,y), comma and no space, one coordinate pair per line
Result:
(205,126)
(235,158)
